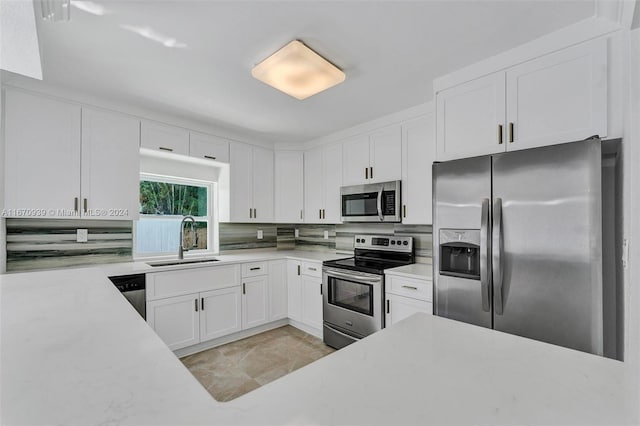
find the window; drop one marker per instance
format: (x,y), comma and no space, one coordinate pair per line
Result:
(164,201)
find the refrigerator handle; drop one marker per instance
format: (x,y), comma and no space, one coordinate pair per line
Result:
(485,261)
(496,251)
(380,215)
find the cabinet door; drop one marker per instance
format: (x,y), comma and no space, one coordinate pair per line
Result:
(313,186)
(356,161)
(241,182)
(289,186)
(558,98)
(209,147)
(294,290)
(254,301)
(110,184)
(277,290)
(42,155)
(418,154)
(469,118)
(176,320)
(312,301)
(163,137)
(332,175)
(386,155)
(220,313)
(263,185)
(399,308)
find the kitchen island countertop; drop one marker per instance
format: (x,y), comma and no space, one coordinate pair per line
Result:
(74,351)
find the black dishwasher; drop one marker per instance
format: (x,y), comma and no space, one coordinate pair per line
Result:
(133,288)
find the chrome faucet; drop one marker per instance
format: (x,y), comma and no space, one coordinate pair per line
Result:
(182,249)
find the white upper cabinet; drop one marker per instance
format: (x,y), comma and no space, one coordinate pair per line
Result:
(356,161)
(289,186)
(470,118)
(209,147)
(42,155)
(557,98)
(418,154)
(376,157)
(110,139)
(561,97)
(251,183)
(163,137)
(64,161)
(322,182)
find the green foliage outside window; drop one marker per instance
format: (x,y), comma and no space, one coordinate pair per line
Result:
(162,198)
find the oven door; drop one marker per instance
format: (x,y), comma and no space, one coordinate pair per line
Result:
(352,300)
(379,202)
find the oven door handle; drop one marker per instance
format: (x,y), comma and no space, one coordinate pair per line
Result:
(352,277)
(380,215)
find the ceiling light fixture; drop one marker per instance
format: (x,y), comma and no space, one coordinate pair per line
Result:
(56,10)
(298,71)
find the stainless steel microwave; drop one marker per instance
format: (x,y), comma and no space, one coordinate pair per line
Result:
(373,202)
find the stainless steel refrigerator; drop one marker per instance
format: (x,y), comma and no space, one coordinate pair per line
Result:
(518,243)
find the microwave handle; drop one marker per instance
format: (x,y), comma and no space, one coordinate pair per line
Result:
(380,215)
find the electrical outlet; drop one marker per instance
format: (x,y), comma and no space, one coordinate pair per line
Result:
(296,233)
(82,235)
(326,235)
(260,234)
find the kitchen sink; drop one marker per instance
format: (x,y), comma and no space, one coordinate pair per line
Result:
(180,262)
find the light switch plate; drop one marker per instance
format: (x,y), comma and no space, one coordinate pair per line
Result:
(82,235)
(326,235)
(260,234)
(296,233)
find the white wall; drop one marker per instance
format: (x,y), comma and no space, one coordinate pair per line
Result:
(632,225)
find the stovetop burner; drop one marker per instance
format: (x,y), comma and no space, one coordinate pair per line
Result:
(374,254)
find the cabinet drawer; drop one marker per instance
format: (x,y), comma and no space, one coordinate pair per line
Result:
(408,287)
(312,269)
(254,269)
(175,283)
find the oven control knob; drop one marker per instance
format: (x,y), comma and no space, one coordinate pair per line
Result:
(358,240)
(393,242)
(406,243)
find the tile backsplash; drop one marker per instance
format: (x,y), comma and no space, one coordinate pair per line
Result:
(51,243)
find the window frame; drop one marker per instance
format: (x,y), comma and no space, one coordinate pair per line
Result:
(210,219)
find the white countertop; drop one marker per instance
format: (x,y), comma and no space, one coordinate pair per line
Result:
(73,351)
(420,271)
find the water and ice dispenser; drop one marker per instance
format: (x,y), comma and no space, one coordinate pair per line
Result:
(460,253)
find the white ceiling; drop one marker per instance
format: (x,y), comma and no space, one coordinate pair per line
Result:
(390,50)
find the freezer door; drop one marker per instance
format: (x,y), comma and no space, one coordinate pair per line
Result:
(547,239)
(461,229)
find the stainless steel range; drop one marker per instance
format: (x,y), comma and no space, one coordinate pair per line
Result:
(353,288)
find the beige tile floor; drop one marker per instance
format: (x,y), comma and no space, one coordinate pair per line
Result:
(236,368)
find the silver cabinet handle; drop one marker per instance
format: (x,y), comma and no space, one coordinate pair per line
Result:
(404,211)
(370,172)
(84,203)
(202,304)
(496,252)
(165,149)
(366,173)
(319,213)
(256,268)
(244,288)
(499,134)
(388,306)
(255,213)
(196,304)
(312,269)
(320,289)
(324,216)
(484,254)
(380,216)
(210,157)
(75,204)
(410,287)
(250,213)
(510,132)
(300,214)
(298,269)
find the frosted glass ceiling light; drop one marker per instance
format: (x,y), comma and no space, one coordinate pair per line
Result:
(298,71)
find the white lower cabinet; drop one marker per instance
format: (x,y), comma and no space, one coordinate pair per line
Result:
(405,297)
(254,301)
(220,313)
(304,288)
(278,296)
(176,320)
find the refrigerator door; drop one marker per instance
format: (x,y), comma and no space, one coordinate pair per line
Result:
(461,221)
(547,239)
